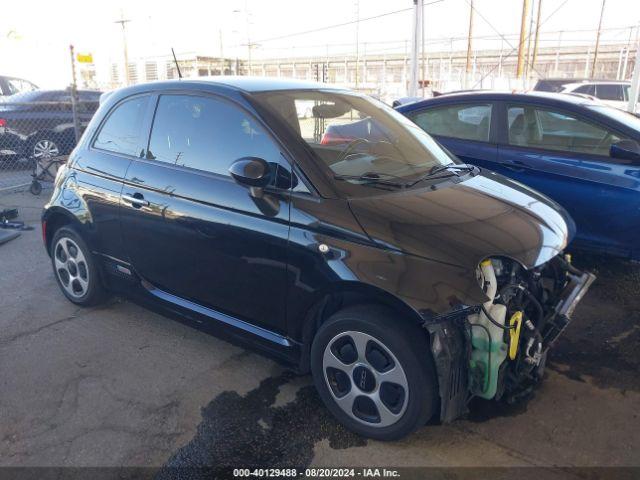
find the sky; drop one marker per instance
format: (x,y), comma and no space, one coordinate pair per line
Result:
(35,35)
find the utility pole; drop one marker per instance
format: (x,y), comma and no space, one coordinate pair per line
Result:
(249,45)
(74,95)
(595,53)
(535,42)
(558,53)
(425,65)
(469,45)
(357,40)
(527,63)
(123,23)
(415,47)
(635,82)
(523,37)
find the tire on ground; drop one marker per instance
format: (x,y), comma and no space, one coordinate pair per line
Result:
(407,341)
(95,291)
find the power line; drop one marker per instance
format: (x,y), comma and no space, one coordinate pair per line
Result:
(514,49)
(337,25)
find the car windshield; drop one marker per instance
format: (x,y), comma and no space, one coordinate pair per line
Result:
(353,135)
(618,115)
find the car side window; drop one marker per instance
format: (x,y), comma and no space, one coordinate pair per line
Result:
(207,134)
(586,89)
(122,131)
(467,122)
(609,92)
(536,127)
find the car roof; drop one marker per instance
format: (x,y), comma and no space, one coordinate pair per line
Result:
(493,95)
(249,84)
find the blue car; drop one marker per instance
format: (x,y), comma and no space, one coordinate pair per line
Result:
(582,154)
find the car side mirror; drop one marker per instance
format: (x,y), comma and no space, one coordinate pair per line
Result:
(285,179)
(252,172)
(626,150)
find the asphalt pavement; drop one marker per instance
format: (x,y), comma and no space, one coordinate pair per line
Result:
(119,385)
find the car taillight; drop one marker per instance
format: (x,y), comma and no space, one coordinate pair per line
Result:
(3,122)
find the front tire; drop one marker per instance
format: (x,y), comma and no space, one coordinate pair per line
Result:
(75,268)
(374,372)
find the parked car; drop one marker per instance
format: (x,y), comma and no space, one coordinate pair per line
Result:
(582,154)
(555,84)
(13,85)
(40,123)
(373,264)
(612,93)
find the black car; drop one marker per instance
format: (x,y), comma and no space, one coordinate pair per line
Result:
(404,281)
(40,123)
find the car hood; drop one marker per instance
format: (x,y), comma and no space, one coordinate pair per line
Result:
(463,223)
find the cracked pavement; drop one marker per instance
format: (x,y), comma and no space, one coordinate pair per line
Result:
(119,385)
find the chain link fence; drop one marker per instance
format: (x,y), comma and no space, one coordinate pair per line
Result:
(38,130)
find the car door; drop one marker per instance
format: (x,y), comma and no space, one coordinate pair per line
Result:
(190,230)
(465,129)
(566,156)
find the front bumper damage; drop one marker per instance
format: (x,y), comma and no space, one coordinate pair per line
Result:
(451,343)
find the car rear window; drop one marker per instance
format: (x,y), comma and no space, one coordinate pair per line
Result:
(121,132)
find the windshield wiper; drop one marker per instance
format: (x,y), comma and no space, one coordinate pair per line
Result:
(436,169)
(372,178)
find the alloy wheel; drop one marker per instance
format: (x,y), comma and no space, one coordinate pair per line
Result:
(365,379)
(71,267)
(45,149)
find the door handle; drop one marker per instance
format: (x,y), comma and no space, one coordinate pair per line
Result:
(136,200)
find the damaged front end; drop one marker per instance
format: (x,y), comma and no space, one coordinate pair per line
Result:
(498,350)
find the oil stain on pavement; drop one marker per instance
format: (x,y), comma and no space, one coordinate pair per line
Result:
(251,431)
(603,341)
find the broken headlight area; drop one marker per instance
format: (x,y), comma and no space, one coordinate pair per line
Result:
(498,350)
(526,311)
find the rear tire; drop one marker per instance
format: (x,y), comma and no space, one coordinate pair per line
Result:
(35,188)
(374,372)
(76,269)
(44,146)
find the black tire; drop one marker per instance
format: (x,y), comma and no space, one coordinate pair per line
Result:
(407,342)
(94,293)
(35,188)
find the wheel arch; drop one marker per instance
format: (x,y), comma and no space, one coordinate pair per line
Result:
(53,219)
(339,296)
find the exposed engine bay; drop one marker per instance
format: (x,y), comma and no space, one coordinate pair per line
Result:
(511,333)
(498,350)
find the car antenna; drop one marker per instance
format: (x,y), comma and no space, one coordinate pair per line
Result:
(176,60)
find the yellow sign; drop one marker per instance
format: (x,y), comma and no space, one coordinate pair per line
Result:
(85,58)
